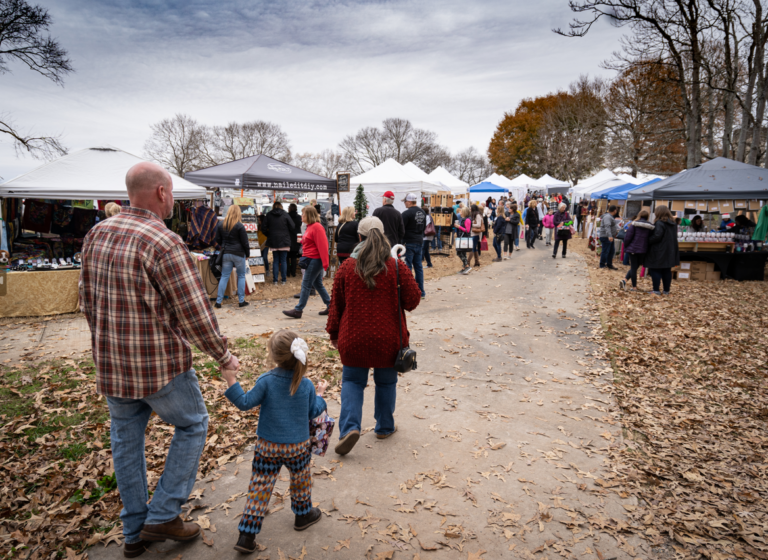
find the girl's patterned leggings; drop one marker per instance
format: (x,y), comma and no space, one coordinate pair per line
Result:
(268,459)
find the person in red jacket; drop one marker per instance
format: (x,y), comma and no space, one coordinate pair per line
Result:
(314,261)
(363,326)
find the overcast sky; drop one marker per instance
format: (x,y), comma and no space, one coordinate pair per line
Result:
(321,70)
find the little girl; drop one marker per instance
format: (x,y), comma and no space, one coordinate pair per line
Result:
(288,402)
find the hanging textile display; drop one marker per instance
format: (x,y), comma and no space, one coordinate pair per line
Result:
(202,228)
(62,219)
(37,216)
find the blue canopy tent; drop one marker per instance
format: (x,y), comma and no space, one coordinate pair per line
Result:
(620,192)
(486,187)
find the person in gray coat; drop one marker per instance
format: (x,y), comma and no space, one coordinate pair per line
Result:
(609,229)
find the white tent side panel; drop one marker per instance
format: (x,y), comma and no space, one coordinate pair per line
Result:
(90,174)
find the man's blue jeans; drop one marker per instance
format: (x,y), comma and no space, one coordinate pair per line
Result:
(313,278)
(181,404)
(413,256)
(353,383)
(230,262)
(607,250)
(279,264)
(425,252)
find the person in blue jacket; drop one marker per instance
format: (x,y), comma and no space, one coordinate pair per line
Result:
(288,402)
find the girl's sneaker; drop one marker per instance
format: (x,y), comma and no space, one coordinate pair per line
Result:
(307,520)
(246,543)
(656,293)
(622,284)
(467,270)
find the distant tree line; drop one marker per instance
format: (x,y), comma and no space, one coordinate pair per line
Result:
(183,144)
(691,85)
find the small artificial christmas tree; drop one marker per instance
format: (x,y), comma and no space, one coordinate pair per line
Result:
(361,204)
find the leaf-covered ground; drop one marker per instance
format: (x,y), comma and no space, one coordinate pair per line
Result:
(59,491)
(690,379)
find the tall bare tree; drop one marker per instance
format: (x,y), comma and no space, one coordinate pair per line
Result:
(24,39)
(645,121)
(325,163)
(470,165)
(176,144)
(396,139)
(239,140)
(670,31)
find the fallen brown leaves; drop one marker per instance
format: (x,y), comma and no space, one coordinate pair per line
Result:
(59,492)
(690,378)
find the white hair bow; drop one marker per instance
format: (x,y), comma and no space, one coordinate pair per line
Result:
(299,349)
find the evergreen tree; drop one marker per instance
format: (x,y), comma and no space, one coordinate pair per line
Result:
(361,204)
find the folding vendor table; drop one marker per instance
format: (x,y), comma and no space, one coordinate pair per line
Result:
(35,294)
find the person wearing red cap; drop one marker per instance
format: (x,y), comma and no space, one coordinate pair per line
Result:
(394,229)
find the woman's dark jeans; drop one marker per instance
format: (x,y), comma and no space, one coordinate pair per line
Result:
(635,262)
(659,276)
(497,245)
(557,243)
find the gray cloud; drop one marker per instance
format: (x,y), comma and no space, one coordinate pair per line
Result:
(320,69)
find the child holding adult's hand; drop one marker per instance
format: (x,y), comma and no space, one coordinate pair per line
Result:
(288,402)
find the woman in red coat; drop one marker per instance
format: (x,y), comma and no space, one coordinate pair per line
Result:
(362,323)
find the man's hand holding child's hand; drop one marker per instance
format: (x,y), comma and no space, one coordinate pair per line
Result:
(321,387)
(229,371)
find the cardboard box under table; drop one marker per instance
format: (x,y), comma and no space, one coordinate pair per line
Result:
(210,282)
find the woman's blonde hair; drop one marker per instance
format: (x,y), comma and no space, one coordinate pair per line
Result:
(310,214)
(464,212)
(112,209)
(532,203)
(279,349)
(499,210)
(372,258)
(347,215)
(234,215)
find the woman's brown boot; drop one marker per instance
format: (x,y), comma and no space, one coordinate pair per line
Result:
(477,258)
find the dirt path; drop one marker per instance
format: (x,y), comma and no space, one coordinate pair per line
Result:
(502,434)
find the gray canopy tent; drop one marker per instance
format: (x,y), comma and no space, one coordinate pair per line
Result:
(261,173)
(720,178)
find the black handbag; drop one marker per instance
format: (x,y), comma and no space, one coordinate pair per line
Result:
(216,264)
(406,358)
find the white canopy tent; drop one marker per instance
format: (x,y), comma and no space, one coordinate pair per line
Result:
(627,178)
(588,184)
(389,176)
(449,181)
(516,191)
(545,182)
(89,174)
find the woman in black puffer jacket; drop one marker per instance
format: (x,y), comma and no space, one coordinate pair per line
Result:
(663,253)
(233,242)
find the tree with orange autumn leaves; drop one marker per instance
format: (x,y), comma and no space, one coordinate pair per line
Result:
(636,122)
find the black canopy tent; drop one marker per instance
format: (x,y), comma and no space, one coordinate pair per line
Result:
(261,173)
(718,179)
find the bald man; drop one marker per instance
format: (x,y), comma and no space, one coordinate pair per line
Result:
(146,306)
